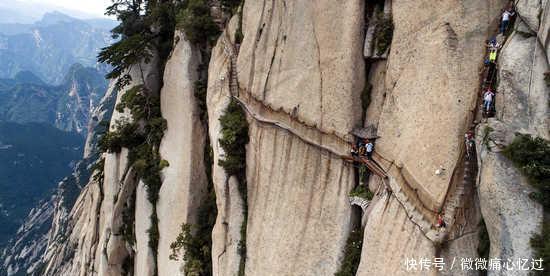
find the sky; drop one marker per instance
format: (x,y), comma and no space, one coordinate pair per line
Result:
(94,8)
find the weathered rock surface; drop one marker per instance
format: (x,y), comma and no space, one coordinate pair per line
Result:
(144,262)
(226,233)
(510,215)
(184,180)
(118,187)
(298,199)
(390,238)
(521,106)
(303,62)
(306,58)
(427,111)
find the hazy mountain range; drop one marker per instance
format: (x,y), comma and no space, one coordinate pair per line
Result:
(50,46)
(50,83)
(15,11)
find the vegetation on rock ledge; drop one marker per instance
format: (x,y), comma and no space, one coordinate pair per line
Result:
(362,192)
(383,33)
(532,157)
(233,142)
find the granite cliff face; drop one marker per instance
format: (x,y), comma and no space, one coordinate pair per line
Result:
(299,76)
(512,217)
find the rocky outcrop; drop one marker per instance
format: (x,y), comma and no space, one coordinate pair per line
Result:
(421,117)
(88,238)
(323,41)
(441,95)
(298,75)
(512,217)
(102,211)
(23,253)
(43,238)
(226,233)
(184,180)
(297,193)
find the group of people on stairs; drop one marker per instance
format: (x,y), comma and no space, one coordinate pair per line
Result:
(488,89)
(493,47)
(363,147)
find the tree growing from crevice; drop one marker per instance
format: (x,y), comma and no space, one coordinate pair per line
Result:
(234,138)
(383,32)
(195,240)
(145,32)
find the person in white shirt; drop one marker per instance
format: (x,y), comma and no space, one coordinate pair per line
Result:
(370,148)
(488,100)
(506,16)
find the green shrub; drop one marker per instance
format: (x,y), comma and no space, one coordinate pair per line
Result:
(196,240)
(383,33)
(231,5)
(137,39)
(362,191)
(153,232)
(352,254)
(124,135)
(242,244)
(532,157)
(363,174)
(198,243)
(196,22)
(234,139)
(200,94)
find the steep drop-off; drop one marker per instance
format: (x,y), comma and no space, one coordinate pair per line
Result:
(298,76)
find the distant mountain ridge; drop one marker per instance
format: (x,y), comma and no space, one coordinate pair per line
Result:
(26,98)
(51,45)
(25,12)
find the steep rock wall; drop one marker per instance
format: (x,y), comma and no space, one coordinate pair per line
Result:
(303,59)
(421,117)
(427,111)
(119,186)
(512,217)
(184,180)
(390,238)
(298,205)
(226,233)
(95,224)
